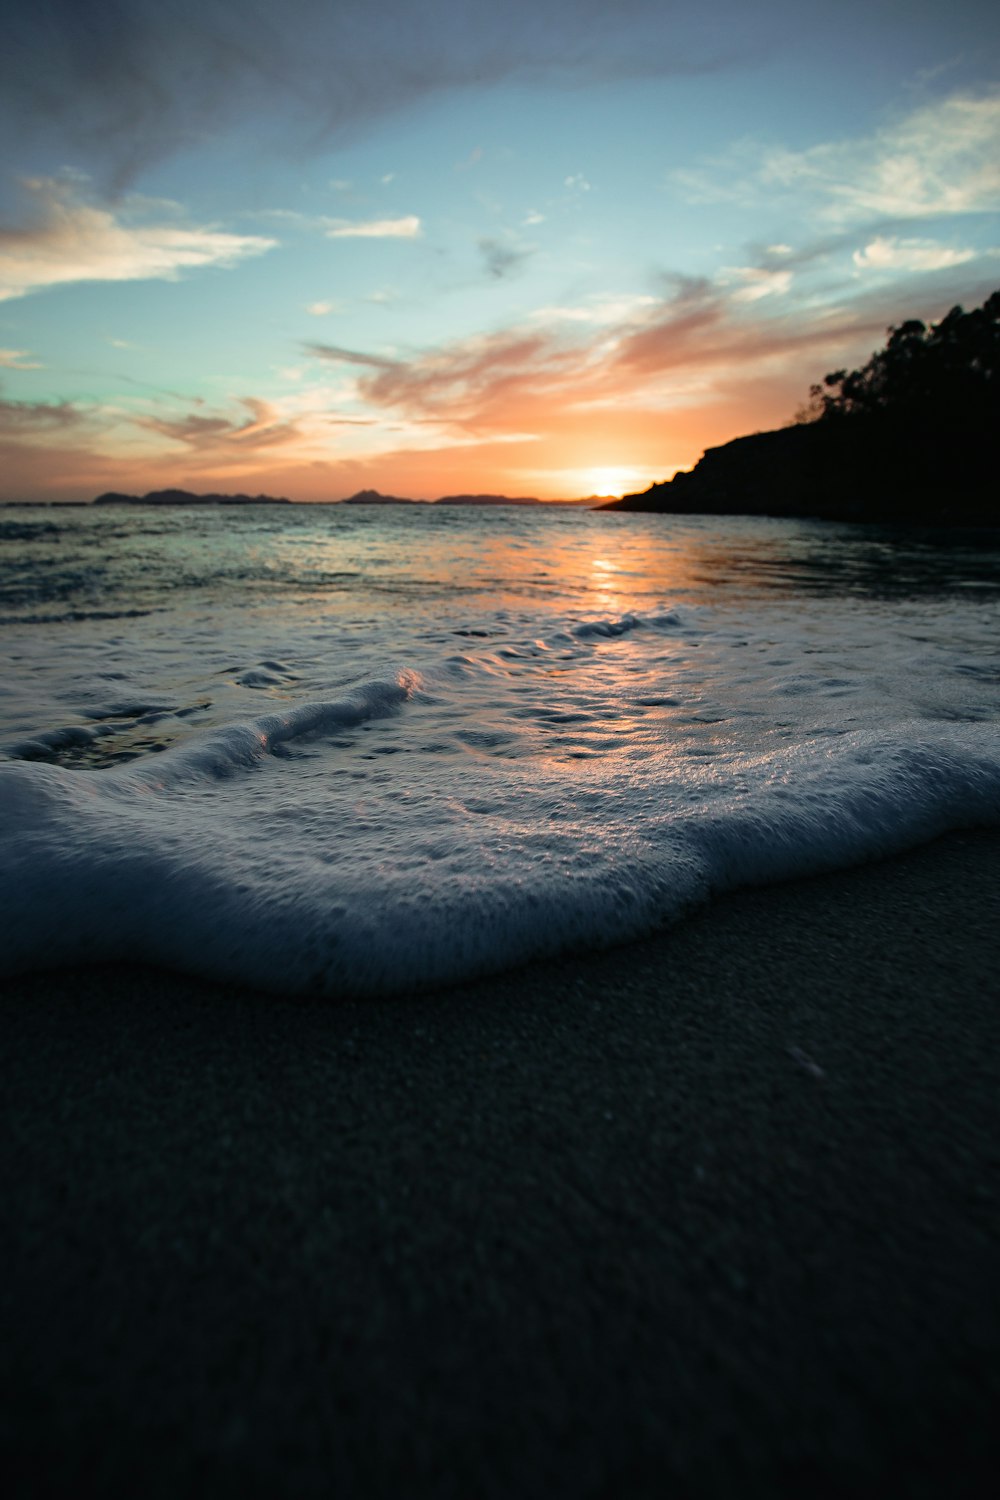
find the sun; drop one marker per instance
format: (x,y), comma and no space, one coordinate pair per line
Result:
(611,481)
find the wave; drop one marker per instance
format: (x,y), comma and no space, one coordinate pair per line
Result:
(72,616)
(236,746)
(622,624)
(285,853)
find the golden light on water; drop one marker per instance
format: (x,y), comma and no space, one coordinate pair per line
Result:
(606,583)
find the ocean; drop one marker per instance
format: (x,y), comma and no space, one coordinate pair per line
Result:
(348,750)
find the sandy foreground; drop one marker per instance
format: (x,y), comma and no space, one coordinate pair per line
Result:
(716,1214)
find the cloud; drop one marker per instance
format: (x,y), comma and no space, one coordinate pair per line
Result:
(943,158)
(496,383)
(320,309)
(758,282)
(407,228)
(350,356)
(71,240)
(30,419)
(888,253)
(461,383)
(263,427)
(501,259)
(127,82)
(601,309)
(701,342)
(18,359)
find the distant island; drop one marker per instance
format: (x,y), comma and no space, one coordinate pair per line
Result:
(185,497)
(372,497)
(911,436)
(363,497)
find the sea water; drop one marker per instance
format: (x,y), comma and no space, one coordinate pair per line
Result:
(354,750)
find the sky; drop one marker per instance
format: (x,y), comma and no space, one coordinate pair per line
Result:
(554,248)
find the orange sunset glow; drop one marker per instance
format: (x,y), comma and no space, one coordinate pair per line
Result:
(456,276)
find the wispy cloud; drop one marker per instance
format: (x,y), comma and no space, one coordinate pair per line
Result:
(261,427)
(460,383)
(756,282)
(71,240)
(29,419)
(700,346)
(704,326)
(18,359)
(604,310)
(406,228)
(943,158)
(888,253)
(473,159)
(320,309)
(350,356)
(502,257)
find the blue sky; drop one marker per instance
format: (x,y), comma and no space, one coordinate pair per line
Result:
(556,250)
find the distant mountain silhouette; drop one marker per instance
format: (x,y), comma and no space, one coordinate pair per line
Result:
(363,497)
(911,436)
(372,497)
(185,497)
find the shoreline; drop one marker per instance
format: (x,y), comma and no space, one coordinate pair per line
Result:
(716,1212)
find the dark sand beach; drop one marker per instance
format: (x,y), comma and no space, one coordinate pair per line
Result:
(717,1214)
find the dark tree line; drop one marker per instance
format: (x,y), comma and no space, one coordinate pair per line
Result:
(913,433)
(947,374)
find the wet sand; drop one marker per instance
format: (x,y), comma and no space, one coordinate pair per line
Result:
(716,1214)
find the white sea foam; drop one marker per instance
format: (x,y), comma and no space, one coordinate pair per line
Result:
(280,853)
(352,803)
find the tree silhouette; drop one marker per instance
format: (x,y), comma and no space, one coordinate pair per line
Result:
(947,374)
